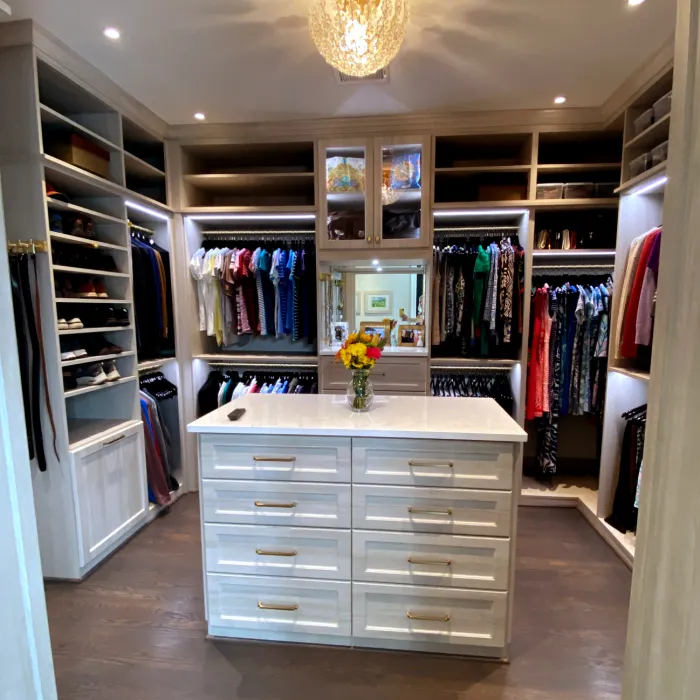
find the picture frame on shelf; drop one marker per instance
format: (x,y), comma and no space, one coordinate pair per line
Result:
(380,328)
(379,304)
(340,330)
(411,335)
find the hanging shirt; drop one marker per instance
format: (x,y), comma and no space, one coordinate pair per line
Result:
(291,284)
(255,268)
(197,272)
(645,313)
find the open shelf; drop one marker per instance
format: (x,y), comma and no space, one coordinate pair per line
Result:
(579,148)
(80,391)
(593,203)
(81,430)
(477,152)
(641,375)
(476,169)
(251,212)
(231,182)
(468,362)
(92,359)
(577,167)
(102,329)
(575,253)
(57,122)
(258,360)
(146,365)
(657,133)
(85,271)
(78,300)
(85,242)
(657,171)
(140,169)
(79,181)
(84,211)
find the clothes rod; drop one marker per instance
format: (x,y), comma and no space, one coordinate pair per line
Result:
(540,268)
(142,229)
(30,247)
(466,368)
(256,366)
(260,232)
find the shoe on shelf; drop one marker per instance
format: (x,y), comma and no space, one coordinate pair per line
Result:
(58,290)
(101,346)
(100,289)
(86,290)
(56,223)
(72,349)
(78,228)
(89,229)
(92,375)
(122,317)
(111,317)
(69,381)
(62,324)
(110,370)
(74,324)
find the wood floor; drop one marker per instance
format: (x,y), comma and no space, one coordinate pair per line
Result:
(135,630)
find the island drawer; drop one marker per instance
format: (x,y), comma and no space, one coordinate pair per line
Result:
(276,503)
(448,511)
(283,458)
(292,552)
(451,463)
(391,375)
(431,560)
(266,604)
(422,614)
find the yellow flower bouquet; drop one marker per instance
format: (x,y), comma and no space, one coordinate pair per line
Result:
(359,354)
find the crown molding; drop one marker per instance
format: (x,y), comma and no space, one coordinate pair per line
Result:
(637,83)
(415,123)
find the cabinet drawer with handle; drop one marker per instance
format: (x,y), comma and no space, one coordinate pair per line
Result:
(293,552)
(282,458)
(448,511)
(276,503)
(392,375)
(422,614)
(451,463)
(431,560)
(267,604)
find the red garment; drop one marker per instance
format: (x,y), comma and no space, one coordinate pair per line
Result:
(534,378)
(628,345)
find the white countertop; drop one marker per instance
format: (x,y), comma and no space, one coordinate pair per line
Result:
(391,417)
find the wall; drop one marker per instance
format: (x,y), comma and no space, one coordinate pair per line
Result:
(403,287)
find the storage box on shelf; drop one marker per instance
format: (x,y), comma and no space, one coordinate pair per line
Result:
(647,129)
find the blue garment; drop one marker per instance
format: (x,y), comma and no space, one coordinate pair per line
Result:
(284,388)
(282,287)
(291,283)
(156,276)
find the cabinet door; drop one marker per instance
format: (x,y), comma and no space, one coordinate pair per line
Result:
(345,179)
(402,192)
(110,489)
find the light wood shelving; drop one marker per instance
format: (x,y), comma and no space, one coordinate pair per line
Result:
(83,390)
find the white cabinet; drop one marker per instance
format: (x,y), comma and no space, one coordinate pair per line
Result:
(111,498)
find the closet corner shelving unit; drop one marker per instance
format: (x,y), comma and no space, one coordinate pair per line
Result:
(93,497)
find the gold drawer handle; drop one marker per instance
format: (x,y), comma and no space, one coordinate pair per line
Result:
(421,560)
(267,553)
(379,374)
(430,511)
(285,608)
(111,442)
(274,459)
(429,463)
(262,504)
(428,618)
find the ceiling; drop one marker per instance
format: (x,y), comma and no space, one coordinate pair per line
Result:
(253,60)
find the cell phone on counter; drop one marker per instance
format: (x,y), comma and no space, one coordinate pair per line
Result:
(236,414)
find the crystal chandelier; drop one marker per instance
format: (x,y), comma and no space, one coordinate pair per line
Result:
(390,195)
(358,37)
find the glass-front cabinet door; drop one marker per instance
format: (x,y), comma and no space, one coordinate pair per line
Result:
(402,192)
(346,218)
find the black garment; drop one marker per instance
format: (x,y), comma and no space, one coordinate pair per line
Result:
(25,324)
(168,343)
(624,515)
(208,395)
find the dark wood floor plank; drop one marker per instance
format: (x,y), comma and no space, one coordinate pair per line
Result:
(135,630)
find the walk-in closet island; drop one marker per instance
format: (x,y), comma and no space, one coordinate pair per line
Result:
(391,529)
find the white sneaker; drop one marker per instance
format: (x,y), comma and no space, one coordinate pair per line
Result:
(91,376)
(75,324)
(62,325)
(110,370)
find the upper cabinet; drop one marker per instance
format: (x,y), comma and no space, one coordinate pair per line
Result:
(374,193)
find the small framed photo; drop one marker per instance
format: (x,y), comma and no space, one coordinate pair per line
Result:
(411,335)
(379,304)
(340,330)
(383,330)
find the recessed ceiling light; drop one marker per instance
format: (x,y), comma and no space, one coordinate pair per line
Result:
(375,262)
(112,33)
(379,269)
(200,116)
(634,3)
(559,100)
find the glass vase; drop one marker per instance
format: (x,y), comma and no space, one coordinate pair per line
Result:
(360,391)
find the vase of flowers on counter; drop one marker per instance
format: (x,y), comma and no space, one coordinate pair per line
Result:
(359,354)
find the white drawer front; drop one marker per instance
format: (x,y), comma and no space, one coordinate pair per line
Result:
(450,511)
(278,551)
(457,464)
(431,560)
(420,614)
(276,503)
(299,606)
(282,458)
